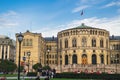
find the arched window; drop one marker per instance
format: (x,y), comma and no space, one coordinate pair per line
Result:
(60,44)
(101,43)
(113,46)
(30,43)
(93,42)
(84,42)
(106,43)
(74,43)
(94,59)
(66,59)
(118,58)
(84,59)
(117,47)
(74,59)
(66,43)
(91,31)
(102,59)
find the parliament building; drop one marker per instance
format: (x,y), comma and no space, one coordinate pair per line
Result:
(78,48)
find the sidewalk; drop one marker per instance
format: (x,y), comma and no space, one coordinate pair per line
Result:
(30,77)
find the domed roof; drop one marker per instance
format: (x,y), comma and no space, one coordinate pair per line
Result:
(83,26)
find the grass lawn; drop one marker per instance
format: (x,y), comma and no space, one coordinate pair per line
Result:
(8,75)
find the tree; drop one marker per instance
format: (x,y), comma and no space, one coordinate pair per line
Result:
(21,68)
(46,68)
(7,66)
(35,66)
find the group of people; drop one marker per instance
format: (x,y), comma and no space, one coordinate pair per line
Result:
(47,73)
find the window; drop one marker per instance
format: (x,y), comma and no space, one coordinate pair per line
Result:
(106,43)
(66,59)
(101,43)
(30,42)
(23,42)
(102,59)
(27,42)
(93,42)
(94,59)
(74,59)
(74,43)
(66,43)
(60,44)
(84,42)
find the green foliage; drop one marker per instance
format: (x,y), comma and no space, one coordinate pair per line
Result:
(88,76)
(32,74)
(46,68)
(21,68)
(7,66)
(35,66)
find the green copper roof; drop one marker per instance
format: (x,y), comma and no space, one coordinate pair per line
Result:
(83,26)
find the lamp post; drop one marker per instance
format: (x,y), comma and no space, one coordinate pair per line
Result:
(24,59)
(48,56)
(20,38)
(28,54)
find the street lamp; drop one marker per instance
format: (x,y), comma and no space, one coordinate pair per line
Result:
(20,38)
(24,59)
(48,56)
(28,54)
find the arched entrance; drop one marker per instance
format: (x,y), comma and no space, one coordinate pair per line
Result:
(84,59)
(94,59)
(66,59)
(74,59)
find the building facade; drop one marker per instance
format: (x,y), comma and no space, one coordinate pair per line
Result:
(115,49)
(7,49)
(32,44)
(82,45)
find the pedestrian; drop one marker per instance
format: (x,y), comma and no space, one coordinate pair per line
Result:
(39,71)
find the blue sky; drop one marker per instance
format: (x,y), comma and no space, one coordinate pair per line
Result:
(51,16)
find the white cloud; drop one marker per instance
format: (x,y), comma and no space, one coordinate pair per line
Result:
(112,4)
(88,2)
(110,24)
(77,9)
(10,13)
(8,19)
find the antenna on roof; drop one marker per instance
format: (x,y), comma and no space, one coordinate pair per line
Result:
(30,27)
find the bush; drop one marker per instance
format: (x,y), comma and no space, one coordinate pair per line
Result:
(88,76)
(32,74)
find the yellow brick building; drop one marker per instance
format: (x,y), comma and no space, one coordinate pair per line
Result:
(34,44)
(82,45)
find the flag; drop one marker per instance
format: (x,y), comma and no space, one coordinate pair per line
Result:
(82,13)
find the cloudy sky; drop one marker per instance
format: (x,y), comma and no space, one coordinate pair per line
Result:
(51,16)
